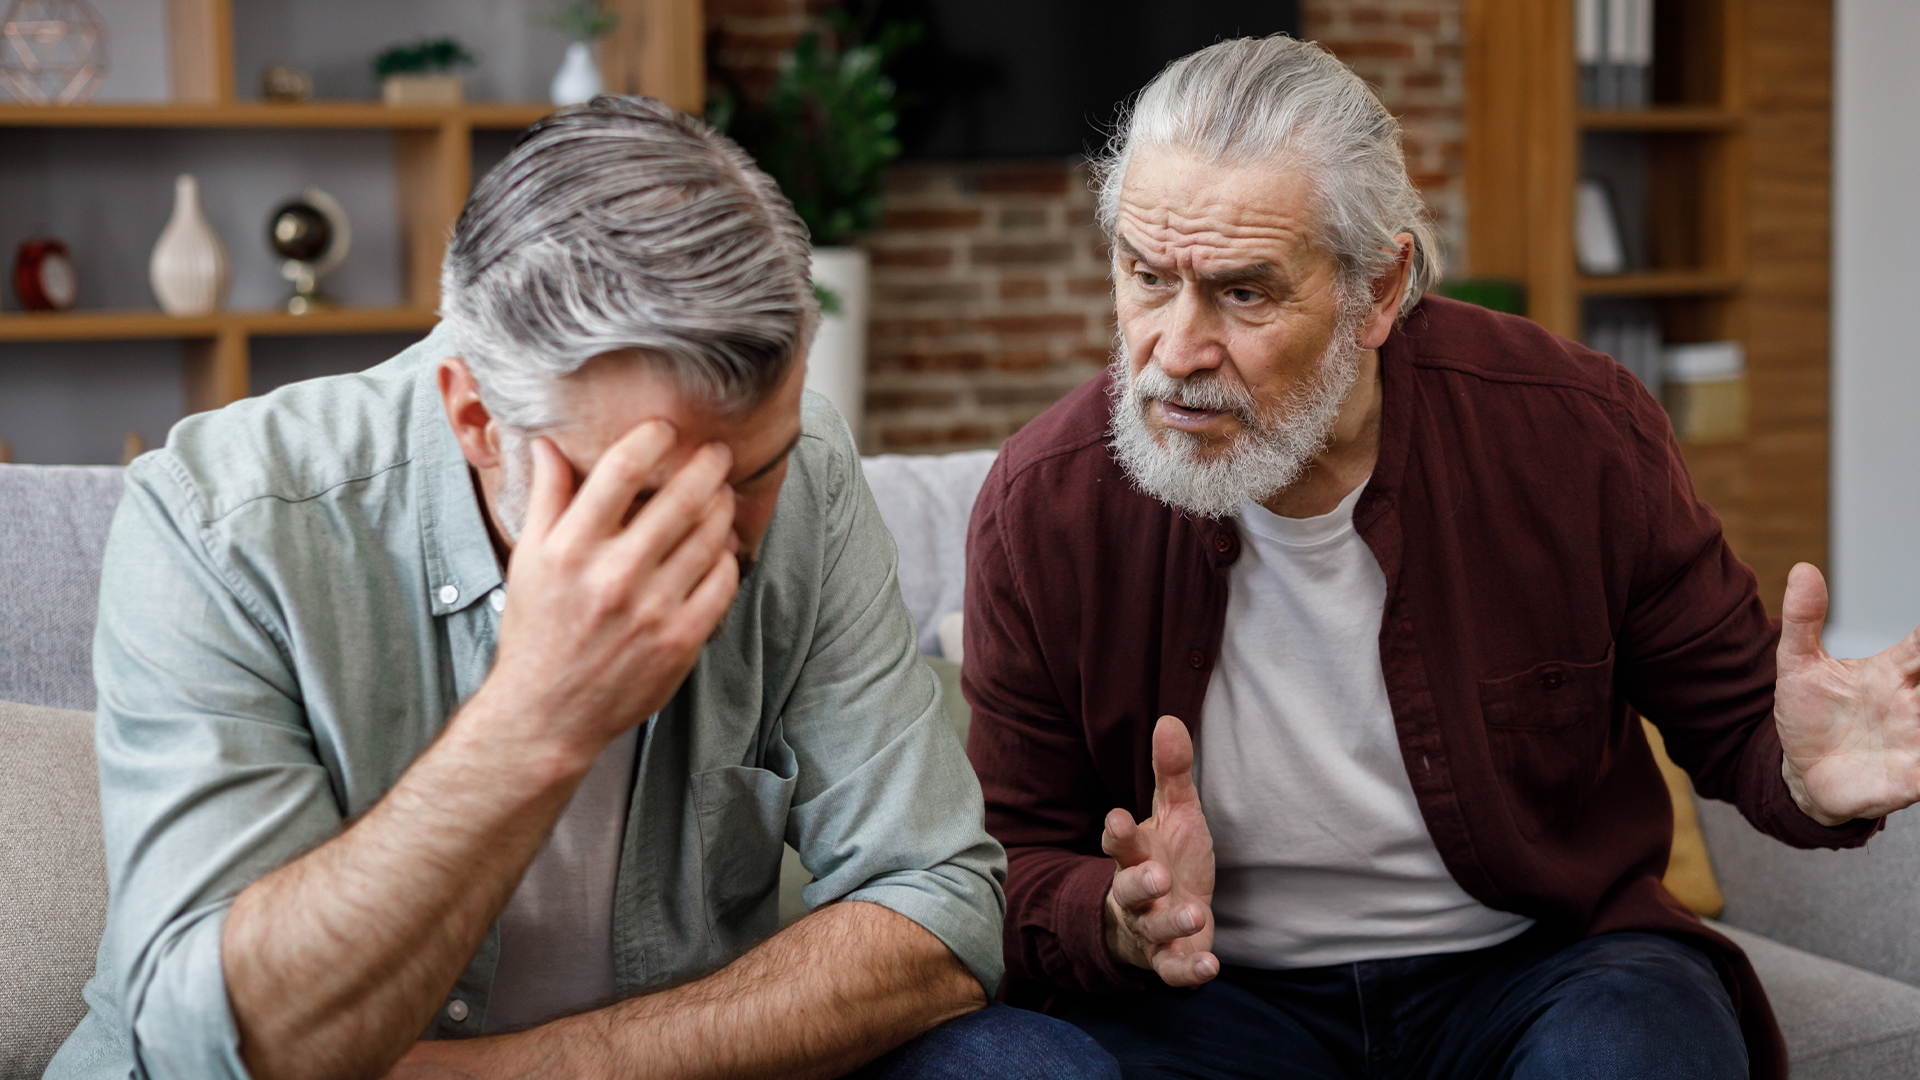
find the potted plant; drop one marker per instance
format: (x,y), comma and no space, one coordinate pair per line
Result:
(578,79)
(422,73)
(826,135)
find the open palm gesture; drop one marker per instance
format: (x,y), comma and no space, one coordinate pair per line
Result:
(1160,908)
(1850,729)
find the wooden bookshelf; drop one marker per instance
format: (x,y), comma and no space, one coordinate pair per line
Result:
(264,115)
(1738,154)
(657,51)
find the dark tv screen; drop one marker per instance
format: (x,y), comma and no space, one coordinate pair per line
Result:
(1046,78)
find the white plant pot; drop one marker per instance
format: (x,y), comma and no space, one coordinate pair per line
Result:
(837,363)
(189,268)
(578,81)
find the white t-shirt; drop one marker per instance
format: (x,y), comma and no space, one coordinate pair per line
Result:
(556,932)
(1321,852)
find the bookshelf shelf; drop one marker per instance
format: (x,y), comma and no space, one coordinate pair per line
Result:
(325,114)
(1674,118)
(1734,158)
(153,325)
(1657,283)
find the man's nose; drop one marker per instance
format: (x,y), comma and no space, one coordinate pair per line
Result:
(1190,340)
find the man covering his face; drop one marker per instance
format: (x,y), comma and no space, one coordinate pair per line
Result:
(453,715)
(1305,646)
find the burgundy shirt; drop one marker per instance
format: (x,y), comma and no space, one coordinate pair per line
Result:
(1549,573)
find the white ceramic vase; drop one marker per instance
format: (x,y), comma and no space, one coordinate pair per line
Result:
(189,268)
(837,363)
(578,81)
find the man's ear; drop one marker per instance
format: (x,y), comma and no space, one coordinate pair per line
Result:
(1388,288)
(472,424)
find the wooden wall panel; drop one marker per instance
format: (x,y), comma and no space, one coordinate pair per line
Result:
(1789,92)
(200,51)
(658,50)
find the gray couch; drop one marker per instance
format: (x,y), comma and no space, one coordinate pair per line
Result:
(1840,954)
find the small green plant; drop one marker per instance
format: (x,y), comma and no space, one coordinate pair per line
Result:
(584,20)
(826,132)
(428,56)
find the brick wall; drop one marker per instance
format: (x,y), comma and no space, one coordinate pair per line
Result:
(1410,50)
(990,293)
(990,301)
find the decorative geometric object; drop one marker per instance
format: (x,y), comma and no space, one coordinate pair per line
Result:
(189,267)
(53,52)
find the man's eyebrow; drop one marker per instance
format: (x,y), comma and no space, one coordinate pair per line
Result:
(1257,273)
(1131,252)
(771,465)
(1262,272)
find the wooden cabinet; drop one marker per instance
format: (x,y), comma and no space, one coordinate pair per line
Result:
(656,51)
(1737,152)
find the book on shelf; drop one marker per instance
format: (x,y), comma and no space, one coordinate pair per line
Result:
(1613,42)
(1628,331)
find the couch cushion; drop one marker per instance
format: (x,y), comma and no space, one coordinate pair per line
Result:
(53,879)
(1856,906)
(1841,1023)
(53,528)
(1689,873)
(926,501)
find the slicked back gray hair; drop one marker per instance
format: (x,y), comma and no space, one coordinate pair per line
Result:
(1283,103)
(618,225)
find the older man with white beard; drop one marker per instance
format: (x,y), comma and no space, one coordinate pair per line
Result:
(1394,575)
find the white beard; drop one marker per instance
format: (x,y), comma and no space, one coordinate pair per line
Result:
(1270,454)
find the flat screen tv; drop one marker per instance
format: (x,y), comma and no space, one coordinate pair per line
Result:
(1046,78)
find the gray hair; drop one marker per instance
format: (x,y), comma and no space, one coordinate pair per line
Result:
(620,225)
(1276,101)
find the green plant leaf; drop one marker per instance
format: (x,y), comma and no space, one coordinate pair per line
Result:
(825,133)
(426,56)
(829,300)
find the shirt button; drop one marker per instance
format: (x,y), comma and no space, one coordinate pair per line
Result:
(1222,542)
(449,594)
(1196,659)
(497,599)
(1552,680)
(456,1010)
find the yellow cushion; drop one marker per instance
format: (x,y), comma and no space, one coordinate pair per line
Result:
(1689,873)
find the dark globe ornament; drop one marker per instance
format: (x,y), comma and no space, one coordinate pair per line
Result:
(298,230)
(310,233)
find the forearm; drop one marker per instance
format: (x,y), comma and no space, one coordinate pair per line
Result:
(818,999)
(335,962)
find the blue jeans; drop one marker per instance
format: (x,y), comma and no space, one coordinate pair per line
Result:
(997,1043)
(1626,1006)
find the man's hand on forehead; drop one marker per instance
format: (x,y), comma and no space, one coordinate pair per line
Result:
(616,584)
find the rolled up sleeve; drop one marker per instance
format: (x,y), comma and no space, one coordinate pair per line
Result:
(886,808)
(209,775)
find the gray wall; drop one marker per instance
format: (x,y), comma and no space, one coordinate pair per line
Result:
(109,193)
(1876,358)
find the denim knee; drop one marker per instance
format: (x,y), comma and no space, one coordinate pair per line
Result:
(1638,1005)
(998,1041)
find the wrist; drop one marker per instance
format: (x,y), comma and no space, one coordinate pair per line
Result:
(1797,788)
(500,730)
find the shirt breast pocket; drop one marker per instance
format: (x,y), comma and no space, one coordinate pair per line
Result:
(742,811)
(1547,728)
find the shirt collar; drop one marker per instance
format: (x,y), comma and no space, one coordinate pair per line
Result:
(460,561)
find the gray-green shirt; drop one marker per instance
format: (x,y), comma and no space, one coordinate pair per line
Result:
(295,598)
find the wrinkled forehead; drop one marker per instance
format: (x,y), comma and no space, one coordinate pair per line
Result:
(1177,209)
(616,392)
